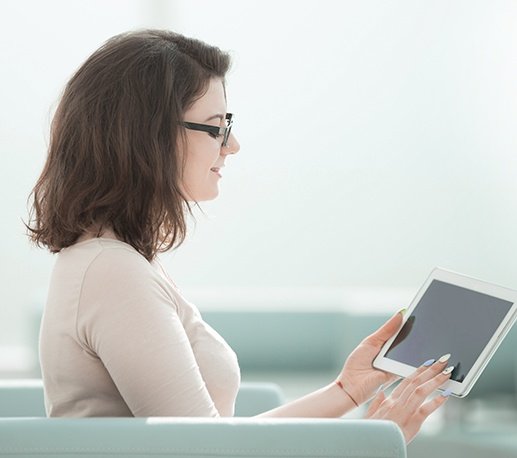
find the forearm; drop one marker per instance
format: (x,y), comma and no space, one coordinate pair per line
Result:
(327,402)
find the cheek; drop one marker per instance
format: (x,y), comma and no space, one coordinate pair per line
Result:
(201,168)
(207,156)
(201,160)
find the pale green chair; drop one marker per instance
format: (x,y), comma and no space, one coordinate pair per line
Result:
(320,341)
(24,432)
(24,398)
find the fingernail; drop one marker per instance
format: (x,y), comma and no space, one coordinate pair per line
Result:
(402,311)
(446,393)
(379,390)
(448,370)
(428,362)
(444,358)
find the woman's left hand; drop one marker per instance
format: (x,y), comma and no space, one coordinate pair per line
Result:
(359,378)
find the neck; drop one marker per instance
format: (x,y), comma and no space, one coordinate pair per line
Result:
(92,232)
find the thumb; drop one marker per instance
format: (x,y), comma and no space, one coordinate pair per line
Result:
(379,337)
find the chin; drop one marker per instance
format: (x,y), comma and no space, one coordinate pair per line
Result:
(208,196)
(202,195)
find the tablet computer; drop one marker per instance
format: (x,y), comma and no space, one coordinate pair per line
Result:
(456,314)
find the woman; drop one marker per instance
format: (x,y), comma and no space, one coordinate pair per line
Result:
(141,132)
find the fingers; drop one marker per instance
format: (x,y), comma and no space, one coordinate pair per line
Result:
(420,394)
(391,381)
(406,388)
(406,405)
(383,334)
(375,403)
(397,392)
(429,407)
(412,425)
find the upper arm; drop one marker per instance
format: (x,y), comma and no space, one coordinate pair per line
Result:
(130,321)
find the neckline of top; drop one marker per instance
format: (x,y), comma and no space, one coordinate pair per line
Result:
(107,239)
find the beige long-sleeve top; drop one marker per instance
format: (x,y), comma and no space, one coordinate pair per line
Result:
(118,339)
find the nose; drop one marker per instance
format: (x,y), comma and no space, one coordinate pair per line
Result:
(232,146)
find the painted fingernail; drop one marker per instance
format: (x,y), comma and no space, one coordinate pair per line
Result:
(448,370)
(428,362)
(402,311)
(444,358)
(446,393)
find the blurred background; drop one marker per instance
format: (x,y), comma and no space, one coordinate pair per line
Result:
(378,140)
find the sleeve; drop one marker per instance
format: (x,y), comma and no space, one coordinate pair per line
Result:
(129,319)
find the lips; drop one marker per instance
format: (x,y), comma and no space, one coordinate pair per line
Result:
(216,171)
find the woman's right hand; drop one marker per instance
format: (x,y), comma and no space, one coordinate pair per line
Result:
(405,406)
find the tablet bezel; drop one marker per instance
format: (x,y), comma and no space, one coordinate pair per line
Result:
(458,389)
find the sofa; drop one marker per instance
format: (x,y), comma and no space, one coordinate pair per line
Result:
(312,345)
(26,432)
(307,341)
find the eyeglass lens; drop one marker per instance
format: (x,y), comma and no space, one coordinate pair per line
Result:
(229,123)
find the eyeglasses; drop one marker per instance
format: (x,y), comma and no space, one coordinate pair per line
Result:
(214,131)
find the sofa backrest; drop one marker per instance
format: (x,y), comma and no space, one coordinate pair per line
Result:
(25,398)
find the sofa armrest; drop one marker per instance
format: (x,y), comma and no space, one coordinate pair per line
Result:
(200,437)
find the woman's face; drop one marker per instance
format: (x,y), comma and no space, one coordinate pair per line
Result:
(205,152)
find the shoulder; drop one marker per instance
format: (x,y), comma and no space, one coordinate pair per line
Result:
(116,269)
(115,258)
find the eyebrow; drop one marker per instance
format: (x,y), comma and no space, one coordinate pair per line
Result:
(218,115)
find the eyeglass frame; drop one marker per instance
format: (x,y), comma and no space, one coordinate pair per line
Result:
(214,130)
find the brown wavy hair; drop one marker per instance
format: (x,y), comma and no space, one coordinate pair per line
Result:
(113,157)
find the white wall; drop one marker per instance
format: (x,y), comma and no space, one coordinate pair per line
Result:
(377,140)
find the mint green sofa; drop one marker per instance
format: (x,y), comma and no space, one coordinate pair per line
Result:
(300,344)
(24,398)
(25,432)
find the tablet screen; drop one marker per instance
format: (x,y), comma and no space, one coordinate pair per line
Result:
(449,319)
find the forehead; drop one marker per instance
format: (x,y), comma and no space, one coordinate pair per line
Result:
(213,101)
